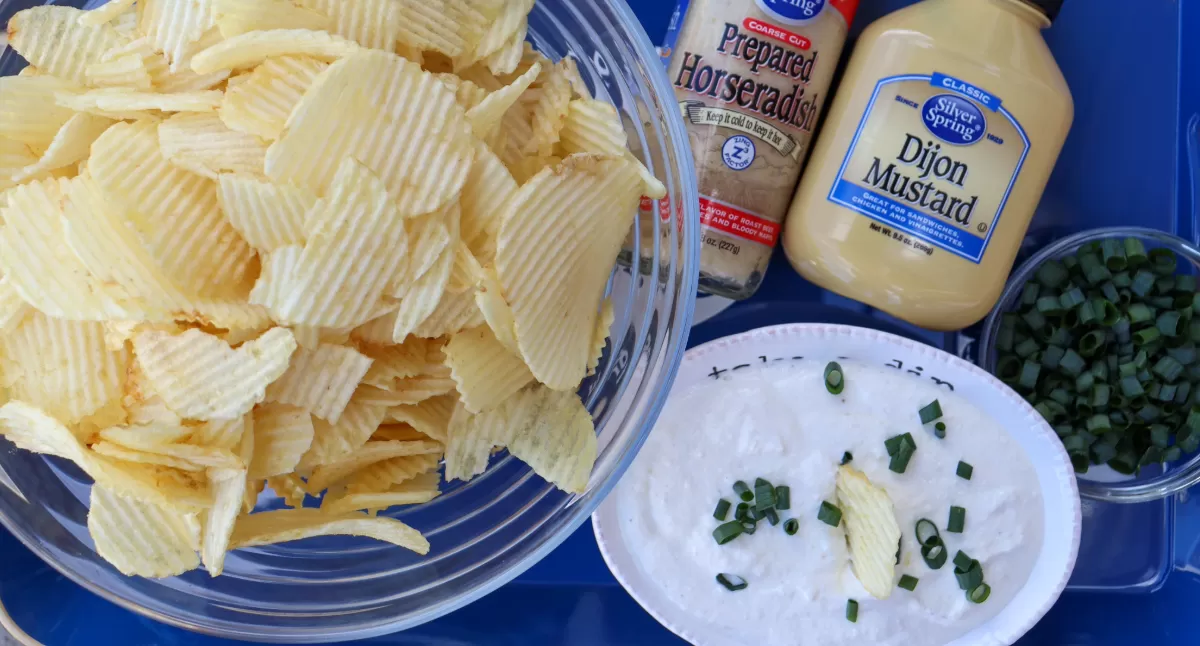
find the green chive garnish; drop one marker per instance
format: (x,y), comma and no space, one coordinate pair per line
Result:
(722,509)
(749,526)
(931,412)
(939,430)
(980,593)
(927,532)
(742,512)
(743,491)
(962,561)
(958,520)
(783,497)
(964,470)
(791,526)
(728,531)
(852,611)
(935,555)
(835,379)
(764,495)
(829,514)
(772,517)
(908,582)
(732,582)
(969,578)
(847,457)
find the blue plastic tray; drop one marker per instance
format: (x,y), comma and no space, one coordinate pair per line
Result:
(1133,157)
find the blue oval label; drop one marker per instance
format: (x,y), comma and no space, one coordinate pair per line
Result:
(793,10)
(954,119)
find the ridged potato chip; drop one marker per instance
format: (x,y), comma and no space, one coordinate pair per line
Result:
(237,17)
(498,314)
(140,538)
(145,434)
(203,144)
(172,488)
(126,70)
(415,491)
(445,26)
(355,249)
(96,231)
(366,106)
(417,390)
(63,367)
(331,473)
(261,104)
(489,187)
(14,158)
(871,531)
(42,268)
(107,101)
(431,416)
(380,477)
(275,281)
(428,235)
(587,205)
(371,23)
(500,32)
(53,40)
(229,491)
(29,109)
(550,111)
(70,145)
(423,295)
(174,25)
(290,488)
(220,434)
(355,427)
(124,454)
(175,213)
(284,525)
(282,435)
(398,433)
(554,434)
(578,86)
(13,309)
(188,457)
(506,59)
(600,336)
(471,438)
(107,13)
(200,377)
(487,373)
(252,48)
(226,314)
(377,331)
(394,362)
(488,114)
(454,313)
(593,127)
(321,380)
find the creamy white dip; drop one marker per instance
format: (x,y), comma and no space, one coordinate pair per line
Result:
(779,423)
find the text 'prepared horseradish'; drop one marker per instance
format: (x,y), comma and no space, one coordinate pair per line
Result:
(751,77)
(934,157)
(806,504)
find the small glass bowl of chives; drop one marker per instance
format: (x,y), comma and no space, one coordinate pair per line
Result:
(1081,326)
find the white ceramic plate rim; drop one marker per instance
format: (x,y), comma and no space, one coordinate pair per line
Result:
(1004,628)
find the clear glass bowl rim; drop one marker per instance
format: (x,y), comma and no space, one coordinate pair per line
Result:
(1176,478)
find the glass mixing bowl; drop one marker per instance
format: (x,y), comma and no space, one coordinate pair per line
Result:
(1103,483)
(485,532)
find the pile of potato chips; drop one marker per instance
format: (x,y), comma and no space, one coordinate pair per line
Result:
(315,245)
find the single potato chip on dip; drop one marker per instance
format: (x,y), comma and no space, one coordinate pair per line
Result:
(320,246)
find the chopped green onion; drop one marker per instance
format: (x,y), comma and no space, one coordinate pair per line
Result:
(1114,254)
(958,520)
(847,457)
(783,497)
(1091,343)
(899,462)
(980,593)
(1163,261)
(1099,423)
(743,491)
(931,412)
(1072,363)
(934,554)
(962,561)
(1168,368)
(939,430)
(749,526)
(727,532)
(1168,323)
(1139,313)
(1160,436)
(743,512)
(1131,387)
(1029,294)
(1049,305)
(964,471)
(772,517)
(791,526)
(1148,335)
(969,578)
(764,495)
(722,510)
(829,514)
(1029,374)
(852,611)
(908,582)
(835,380)
(1135,252)
(1143,282)
(927,532)
(732,582)
(1026,348)
(1051,274)
(1071,298)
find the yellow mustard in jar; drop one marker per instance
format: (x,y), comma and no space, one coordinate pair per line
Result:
(933,158)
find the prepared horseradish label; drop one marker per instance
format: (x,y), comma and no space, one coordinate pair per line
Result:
(751,78)
(934,158)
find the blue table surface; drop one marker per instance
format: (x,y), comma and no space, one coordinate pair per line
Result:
(571,598)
